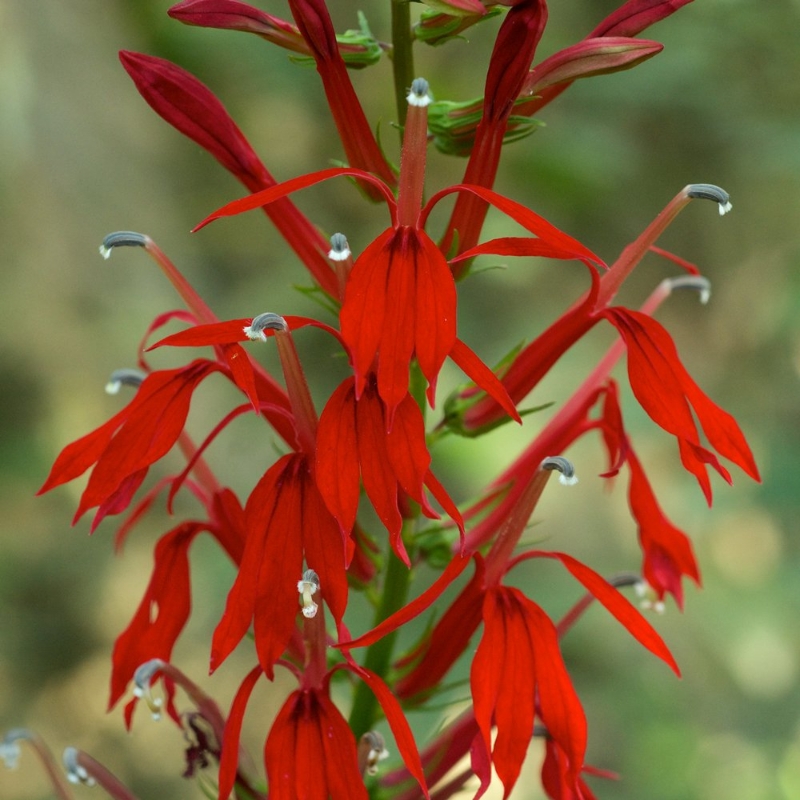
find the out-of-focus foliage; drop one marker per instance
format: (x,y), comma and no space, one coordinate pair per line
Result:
(83,155)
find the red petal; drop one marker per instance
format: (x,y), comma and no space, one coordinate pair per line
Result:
(324,547)
(337,467)
(212,334)
(435,309)
(614,602)
(561,710)
(240,604)
(399,329)
(281,562)
(407,449)
(412,609)
(154,422)
(362,314)
(380,482)
(668,554)
(529,220)
(482,376)
(267,196)
(447,641)
(521,247)
(162,613)
(78,456)
(342,778)
(281,752)
(397,722)
(229,760)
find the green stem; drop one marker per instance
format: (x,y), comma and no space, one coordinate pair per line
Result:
(379,654)
(402,55)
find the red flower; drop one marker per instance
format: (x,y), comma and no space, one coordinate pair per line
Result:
(668,553)
(192,108)
(287,523)
(666,391)
(518,666)
(352,441)
(400,300)
(123,449)
(310,753)
(360,145)
(513,52)
(166,604)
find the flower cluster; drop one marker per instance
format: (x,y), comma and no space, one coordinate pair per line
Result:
(301,540)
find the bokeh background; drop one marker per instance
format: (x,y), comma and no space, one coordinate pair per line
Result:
(81,155)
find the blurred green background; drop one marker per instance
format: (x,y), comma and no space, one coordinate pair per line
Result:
(82,155)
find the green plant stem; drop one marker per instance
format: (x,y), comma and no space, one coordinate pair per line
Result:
(402,55)
(379,654)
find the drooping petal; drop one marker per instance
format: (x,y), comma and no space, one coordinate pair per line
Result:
(380,481)
(276,606)
(412,609)
(162,613)
(668,553)
(240,604)
(401,730)
(336,464)
(435,312)
(229,761)
(561,710)
(502,689)
(446,642)
(667,393)
(154,420)
(400,301)
(327,550)
(310,753)
(614,602)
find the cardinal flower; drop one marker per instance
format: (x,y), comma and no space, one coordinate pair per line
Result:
(122,450)
(352,441)
(400,296)
(310,752)
(519,642)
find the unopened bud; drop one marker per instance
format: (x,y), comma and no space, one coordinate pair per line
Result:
(267,321)
(307,587)
(564,466)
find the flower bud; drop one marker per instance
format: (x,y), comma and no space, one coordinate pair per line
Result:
(587,58)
